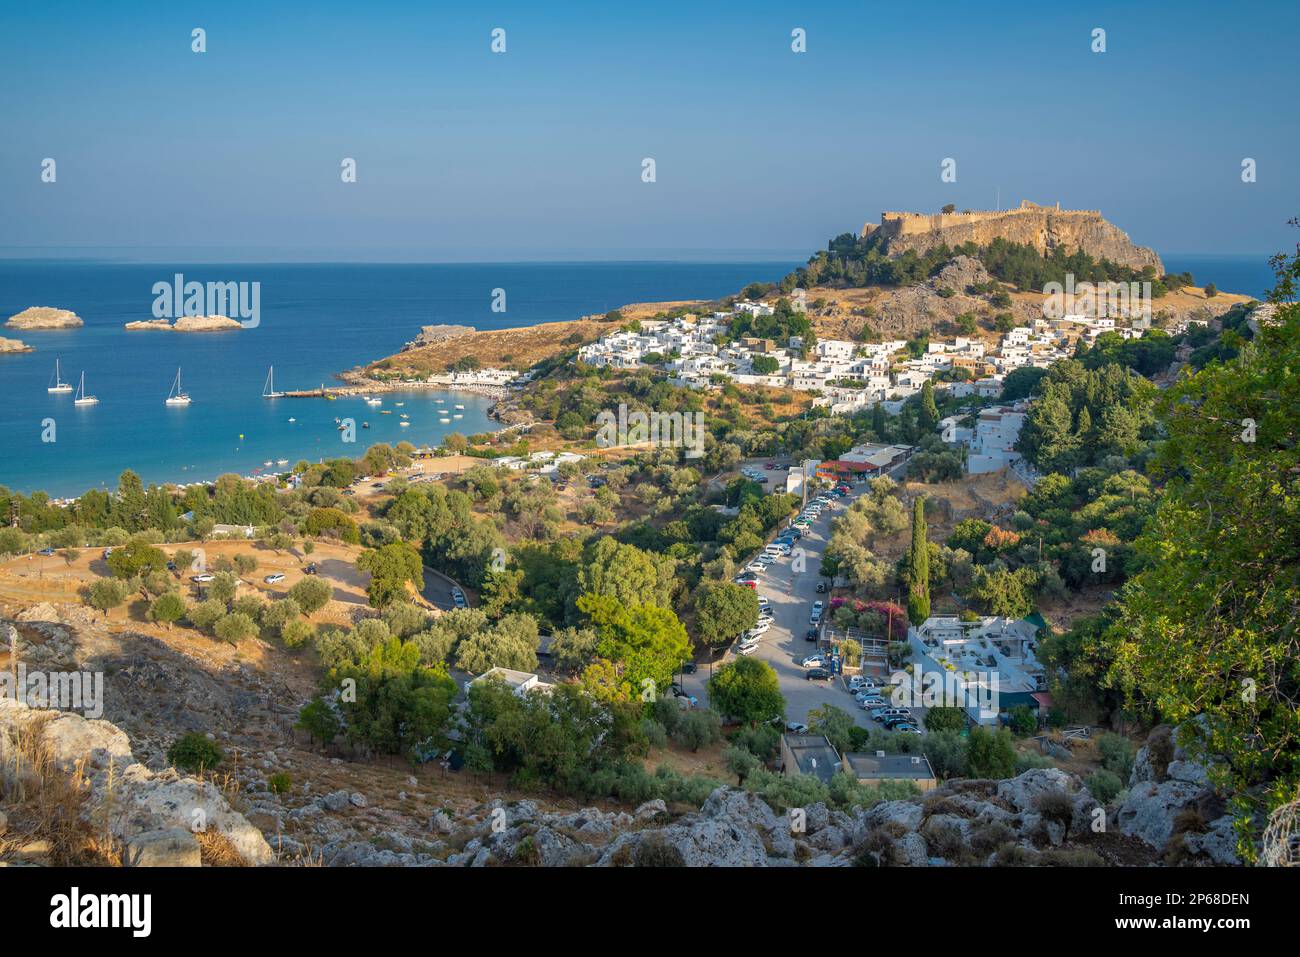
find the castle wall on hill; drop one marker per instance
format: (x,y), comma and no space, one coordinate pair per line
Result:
(1043,227)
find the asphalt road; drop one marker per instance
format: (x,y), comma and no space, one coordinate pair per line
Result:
(792,596)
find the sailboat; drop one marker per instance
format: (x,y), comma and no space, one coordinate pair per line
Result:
(57,384)
(81,397)
(268,388)
(178,396)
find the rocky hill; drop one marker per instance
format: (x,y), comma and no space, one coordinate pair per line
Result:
(342,813)
(1043,227)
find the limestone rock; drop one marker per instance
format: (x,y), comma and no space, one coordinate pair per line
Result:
(172,847)
(45,317)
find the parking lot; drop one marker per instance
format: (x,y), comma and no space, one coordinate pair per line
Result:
(785,645)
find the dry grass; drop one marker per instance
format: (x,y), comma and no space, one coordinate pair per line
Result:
(215,850)
(44,805)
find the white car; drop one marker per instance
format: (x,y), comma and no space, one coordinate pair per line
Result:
(813,661)
(202,579)
(273,579)
(866,704)
(747,649)
(796,727)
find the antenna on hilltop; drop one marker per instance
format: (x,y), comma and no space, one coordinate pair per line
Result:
(999,199)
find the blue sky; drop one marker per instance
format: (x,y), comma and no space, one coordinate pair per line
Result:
(536,154)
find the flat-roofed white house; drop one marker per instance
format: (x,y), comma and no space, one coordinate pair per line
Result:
(520,682)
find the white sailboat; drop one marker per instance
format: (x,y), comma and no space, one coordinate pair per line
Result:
(268,388)
(178,396)
(57,384)
(81,397)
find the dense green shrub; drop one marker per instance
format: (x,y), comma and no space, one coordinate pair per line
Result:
(193,752)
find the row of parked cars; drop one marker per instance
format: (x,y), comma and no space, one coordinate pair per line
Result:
(747,644)
(871,698)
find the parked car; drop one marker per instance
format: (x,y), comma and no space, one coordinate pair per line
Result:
(871,702)
(796,727)
(311,569)
(817,674)
(812,635)
(821,588)
(202,579)
(907,729)
(689,668)
(747,650)
(814,660)
(46,551)
(273,579)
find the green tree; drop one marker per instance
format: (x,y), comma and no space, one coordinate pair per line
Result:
(168,608)
(927,418)
(1212,612)
(650,642)
(990,754)
(235,628)
(106,594)
(747,689)
(918,591)
(135,558)
(945,719)
(724,610)
(391,568)
(311,594)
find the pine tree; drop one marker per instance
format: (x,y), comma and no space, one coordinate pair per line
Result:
(918,594)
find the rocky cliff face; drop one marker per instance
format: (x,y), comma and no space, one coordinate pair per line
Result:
(1045,228)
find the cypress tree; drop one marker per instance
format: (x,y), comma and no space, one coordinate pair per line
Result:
(918,594)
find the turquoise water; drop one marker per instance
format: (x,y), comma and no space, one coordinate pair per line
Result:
(315,320)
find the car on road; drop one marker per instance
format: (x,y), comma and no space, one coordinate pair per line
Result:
(796,727)
(458,598)
(689,668)
(678,692)
(770,466)
(273,579)
(202,579)
(821,588)
(813,661)
(812,635)
(817,674)
(46,551)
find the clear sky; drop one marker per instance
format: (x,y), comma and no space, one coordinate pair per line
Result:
(536,154)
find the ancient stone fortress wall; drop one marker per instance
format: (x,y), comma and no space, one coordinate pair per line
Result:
(1043,227)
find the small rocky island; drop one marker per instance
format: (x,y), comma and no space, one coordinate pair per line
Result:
(45,317)
(188,324)
(14,345)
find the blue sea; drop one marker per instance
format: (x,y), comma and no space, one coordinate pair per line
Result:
(315,320)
